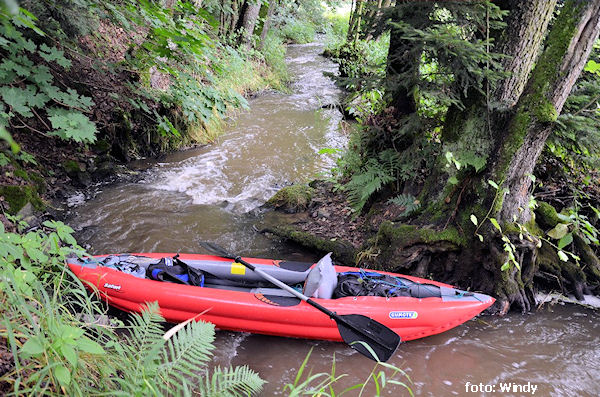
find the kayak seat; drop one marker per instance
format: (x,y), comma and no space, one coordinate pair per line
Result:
(321,280)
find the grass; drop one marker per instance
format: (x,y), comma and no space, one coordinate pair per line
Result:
(299,32)
(382,377)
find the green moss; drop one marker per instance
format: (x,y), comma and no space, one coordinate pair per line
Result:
(404,235)
(547,215)
(20,173)
(39,182)
(513,141)
(510,284)
(546,112)
(71,166)
(101,146)
(292,198)
(342,250)
(536,107)
(17,196)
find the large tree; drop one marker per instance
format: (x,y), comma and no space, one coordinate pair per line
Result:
(493,131)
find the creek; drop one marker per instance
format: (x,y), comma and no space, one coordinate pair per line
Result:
(211,193)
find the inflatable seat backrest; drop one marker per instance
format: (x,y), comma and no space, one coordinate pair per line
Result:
(321,280)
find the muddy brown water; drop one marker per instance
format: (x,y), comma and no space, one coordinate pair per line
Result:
(210,194)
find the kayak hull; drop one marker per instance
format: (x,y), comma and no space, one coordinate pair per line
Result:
(245,311)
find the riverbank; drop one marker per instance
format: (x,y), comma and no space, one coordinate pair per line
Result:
(126,98)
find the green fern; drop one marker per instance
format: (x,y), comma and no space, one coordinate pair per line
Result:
(152,365)
(225,382)
(373,176)
(186,353)
(408,201)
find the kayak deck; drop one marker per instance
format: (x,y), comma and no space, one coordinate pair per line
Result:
(235,298)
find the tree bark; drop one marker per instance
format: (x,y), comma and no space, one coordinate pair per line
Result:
(568,47)
(235,15)
(530,20)
(265,28)
(248,24)
(545,60)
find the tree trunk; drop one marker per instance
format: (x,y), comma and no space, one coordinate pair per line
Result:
(568,47)
(265,27)
(510,137)
(235,15)
(355,21)
(248,24)
(531,18)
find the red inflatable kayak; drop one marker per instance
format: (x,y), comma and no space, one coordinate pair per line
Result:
(235,298)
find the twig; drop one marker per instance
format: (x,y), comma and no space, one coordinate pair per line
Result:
(586,106)
(458,200)
(40,119)
(25,125)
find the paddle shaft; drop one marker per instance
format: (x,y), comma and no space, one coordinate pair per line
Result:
(332,315)
(369,337)
(275,281)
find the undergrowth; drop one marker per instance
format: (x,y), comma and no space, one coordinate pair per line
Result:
(56,345)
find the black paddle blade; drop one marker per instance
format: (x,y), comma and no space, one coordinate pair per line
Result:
(367,336)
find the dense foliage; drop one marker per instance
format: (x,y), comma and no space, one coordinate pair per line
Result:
(29,89)
(452,128)
(440,60)
(56,343)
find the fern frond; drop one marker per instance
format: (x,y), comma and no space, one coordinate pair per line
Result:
(364,184)
(187,353)
(145,343)
(408,201)
(238,381)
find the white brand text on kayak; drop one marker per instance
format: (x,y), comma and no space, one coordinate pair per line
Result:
(404,315)
(112,286)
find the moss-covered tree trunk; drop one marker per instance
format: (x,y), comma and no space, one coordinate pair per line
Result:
(569,44)
(507,130)
(265,27)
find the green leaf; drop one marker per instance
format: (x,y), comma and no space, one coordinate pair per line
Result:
(559,231)
(89,346)
(474,220)
(563,257)
(493,184)
(563,217)
(453,180)
(17,99)
(14,65)
(480,237)
(62,374)
(592,67)
(496,225)
(29,45)
(5,136)
(34,346)
(566,240)
(577,258)
(68,332)
(51,54)
(70,124)
(505,266)
(69,353)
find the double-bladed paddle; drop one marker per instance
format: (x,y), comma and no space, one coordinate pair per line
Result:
(367,336)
